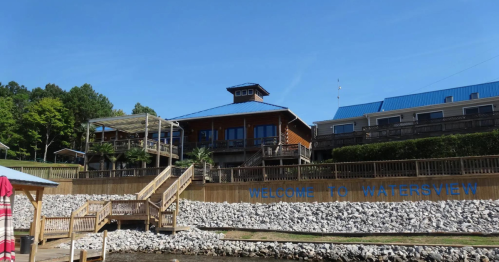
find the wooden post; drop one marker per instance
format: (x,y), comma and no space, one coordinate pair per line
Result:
(77,170)
(374,166)
(42,231)
(22,169)
(177,207)
(299,153)
(86,147)
(462,166)
(244,137)
(36,221)
(147,216)
(263,170)
(335,171)
(72,247)
(104,246)
(71,224)
(146,133)
(50,173)
(171,145)
(32,254)
(83,256)
(219,175)
(212,135)
(299,169)
(232,175)
(279,130)
(417,168)
(158,151)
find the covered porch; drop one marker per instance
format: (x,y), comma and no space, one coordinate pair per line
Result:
(142,131)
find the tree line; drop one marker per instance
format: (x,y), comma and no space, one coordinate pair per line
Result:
(44,120)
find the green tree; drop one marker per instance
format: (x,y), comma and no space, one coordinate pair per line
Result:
(7,121)
(104,149)
(84,103)
(136,155)
(118,112)
(49,117)
(51,90)
(140,109)
(200,155)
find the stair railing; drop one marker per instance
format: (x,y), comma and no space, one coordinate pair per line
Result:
(148,190)
(105,211)
(169,194)
(254,159)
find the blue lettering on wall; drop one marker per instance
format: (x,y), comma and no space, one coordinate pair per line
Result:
(393,189)
(339,191)
(381,190)
(301,193)
(454,187)
(403,190)
(468,188)
(271,196)
(331,190)
(265,191)
(414,188)
(426,191)
(254,192)
(277,192)
(437,191)
(368,191)
(292,192)
(310,192)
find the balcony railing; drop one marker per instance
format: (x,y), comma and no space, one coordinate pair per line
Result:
(125,144)
(408,130)
(233,145)
(290,150)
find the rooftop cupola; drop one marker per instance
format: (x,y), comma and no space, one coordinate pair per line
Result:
(247,92)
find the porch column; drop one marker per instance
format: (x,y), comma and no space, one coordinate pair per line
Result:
(182,143)
(212,134)
(146,133)
(171,145)
(159,144)
(279,130)
(244,138)
(102,134)
(85,168)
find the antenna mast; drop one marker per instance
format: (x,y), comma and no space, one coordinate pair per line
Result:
(339,88)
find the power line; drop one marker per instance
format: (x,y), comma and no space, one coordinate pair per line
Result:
(458,72)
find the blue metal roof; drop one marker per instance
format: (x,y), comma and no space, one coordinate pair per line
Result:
(438,97)
(416,100)
(357,110)
(16,177)
(232,109)
(99,129)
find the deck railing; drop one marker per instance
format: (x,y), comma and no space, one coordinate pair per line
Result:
(125,144)
(473,165)
(131,172)
(234,145)
(147,191)
(287,150)
(50,172)
(170,194)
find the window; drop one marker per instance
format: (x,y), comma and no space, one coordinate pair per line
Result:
(449,99)
(250,92)
(264,131)
(431,115)
(155,135)
(388,120)
(341,129)
(243,93)
(474,96)
(205,135)
(234,133)
(238,93)
(478,110)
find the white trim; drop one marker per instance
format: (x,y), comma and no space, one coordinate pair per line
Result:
(478,106)
(353,127)
(430,112)
(238,91)
(400,118)
(244,92)
(251,92)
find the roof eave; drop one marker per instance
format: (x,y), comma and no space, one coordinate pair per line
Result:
(238,114)
(338,120)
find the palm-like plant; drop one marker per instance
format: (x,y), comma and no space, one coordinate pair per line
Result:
(104,149)
(200,155)
(135,155)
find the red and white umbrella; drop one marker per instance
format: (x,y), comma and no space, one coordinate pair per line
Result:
(7,240)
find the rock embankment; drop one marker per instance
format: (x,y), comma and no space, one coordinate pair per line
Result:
(197,242)
(421,216)
(55,206)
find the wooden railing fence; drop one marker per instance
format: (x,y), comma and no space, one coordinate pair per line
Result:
(50,172)
(132,172)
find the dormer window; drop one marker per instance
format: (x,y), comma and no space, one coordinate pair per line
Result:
(238,93)
(250,92)
(243,92)
(449,99)
(474,96)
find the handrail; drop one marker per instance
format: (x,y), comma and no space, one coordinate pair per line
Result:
(252,159)
(102,214)
(148,190)
(169,193)
(81,211)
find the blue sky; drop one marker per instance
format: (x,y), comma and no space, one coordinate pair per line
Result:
(179,56)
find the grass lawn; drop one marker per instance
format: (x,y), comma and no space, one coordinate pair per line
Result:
(443,240)
(16,163)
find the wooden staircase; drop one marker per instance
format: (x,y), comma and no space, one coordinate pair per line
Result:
(151,206)
(254,160)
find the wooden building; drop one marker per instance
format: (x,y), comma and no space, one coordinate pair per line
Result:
(247,132)
(451,111)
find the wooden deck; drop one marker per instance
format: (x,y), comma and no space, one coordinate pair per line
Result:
(56,255)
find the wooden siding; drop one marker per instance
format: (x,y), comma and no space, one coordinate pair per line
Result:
(296,135)
(109,186)
(487,187)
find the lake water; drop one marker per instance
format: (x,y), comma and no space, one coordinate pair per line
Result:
(181,258)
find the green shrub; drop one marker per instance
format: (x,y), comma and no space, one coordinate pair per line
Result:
(433,147)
